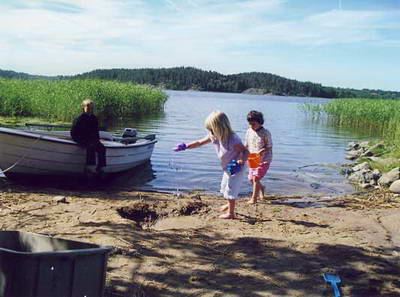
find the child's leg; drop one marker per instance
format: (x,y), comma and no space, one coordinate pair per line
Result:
(224,186)
(256,190)
(253,179)
(230,188)
(230,214)
(262,191)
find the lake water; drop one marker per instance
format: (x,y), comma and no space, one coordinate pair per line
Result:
(307,153)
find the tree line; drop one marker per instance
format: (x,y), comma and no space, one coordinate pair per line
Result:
(190,78)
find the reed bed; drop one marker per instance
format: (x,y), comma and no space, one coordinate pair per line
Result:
(60,100)
(379,115)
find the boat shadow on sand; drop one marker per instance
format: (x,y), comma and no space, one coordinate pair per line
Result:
(127,180)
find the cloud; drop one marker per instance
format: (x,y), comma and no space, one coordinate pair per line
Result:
(52,5)
(202,33)
(349,26)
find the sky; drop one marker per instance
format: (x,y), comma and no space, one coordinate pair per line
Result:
(339,43)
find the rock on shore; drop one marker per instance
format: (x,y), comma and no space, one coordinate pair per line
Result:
(366,177)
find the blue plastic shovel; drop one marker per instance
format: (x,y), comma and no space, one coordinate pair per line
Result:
(333,280)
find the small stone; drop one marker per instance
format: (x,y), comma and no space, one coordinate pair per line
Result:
(361,166)
(384,181)
(364,144)
(376,171)
(60,199)
(368,176)
(353,145)
(315,185)
(394,173)
(365,186)
(395,187)
(353,155)
(389,177)
(368,153)
(357,177)
(346,171)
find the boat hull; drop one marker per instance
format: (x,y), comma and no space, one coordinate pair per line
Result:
(24,152)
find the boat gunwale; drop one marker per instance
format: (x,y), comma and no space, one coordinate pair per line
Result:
(27,134)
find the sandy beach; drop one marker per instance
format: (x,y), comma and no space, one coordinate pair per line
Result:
(169,245)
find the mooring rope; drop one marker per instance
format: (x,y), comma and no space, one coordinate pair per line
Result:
(24,156)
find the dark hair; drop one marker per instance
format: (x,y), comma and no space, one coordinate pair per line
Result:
(255,116)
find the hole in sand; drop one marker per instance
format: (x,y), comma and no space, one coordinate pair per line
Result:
(139,212)
(192,207)
(184,217)
(165,216)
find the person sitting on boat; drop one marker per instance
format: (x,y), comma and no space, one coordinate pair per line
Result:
(85,132)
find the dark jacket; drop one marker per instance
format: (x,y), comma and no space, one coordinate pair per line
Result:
(85,128)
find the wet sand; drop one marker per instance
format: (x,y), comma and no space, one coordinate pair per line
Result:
(168,245)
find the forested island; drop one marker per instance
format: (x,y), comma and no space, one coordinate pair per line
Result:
(190,78)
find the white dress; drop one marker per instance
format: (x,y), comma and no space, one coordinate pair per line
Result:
(230,184)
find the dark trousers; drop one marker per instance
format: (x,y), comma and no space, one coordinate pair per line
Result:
(93,147)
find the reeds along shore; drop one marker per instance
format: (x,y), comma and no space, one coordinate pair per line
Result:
(59,100)
(379,115)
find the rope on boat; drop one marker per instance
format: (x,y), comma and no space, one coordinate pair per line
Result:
(24,156)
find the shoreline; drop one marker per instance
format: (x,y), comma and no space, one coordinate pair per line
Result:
(275,248)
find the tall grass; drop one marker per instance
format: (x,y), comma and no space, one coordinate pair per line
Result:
(60,100)
(379,115)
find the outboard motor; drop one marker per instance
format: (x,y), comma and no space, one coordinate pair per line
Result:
(129,132)
(129,136)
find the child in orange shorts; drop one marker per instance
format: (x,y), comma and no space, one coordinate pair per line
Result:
(259,143)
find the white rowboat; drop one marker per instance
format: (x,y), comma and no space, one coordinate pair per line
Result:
(39,152)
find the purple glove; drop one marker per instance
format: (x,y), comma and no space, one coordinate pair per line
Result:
(180,147)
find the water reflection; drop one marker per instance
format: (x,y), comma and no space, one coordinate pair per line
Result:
(127,180)
(141,122)
(333,127)
(133,178)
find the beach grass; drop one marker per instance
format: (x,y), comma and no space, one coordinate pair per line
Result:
(379,115)
(60,100)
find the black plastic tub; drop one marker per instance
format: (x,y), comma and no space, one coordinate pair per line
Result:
(35,265)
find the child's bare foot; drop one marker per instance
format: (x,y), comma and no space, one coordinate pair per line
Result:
(224,207)
(227,216)
(252,201)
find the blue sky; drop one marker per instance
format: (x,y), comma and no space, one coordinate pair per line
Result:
(341,43)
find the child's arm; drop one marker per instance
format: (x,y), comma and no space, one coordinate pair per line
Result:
(246,141)
(244,153)
(267,145)
(262,151)
(198,143)
(183,146)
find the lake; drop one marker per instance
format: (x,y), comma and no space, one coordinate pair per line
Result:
(307,152)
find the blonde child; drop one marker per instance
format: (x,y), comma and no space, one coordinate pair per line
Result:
(258,141)
(229,148)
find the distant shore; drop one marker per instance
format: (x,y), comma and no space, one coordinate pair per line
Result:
(186,78)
